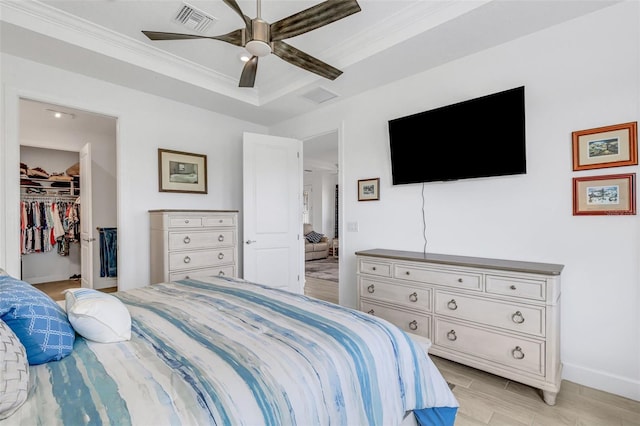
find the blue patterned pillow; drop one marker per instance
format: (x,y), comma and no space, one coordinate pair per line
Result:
(41,325)
(314,237)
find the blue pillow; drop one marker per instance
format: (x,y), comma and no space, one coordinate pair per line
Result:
(40,323)
(314,237)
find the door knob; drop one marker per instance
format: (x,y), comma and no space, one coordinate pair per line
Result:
(250,241)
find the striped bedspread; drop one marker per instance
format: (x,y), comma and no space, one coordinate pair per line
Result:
(227,352)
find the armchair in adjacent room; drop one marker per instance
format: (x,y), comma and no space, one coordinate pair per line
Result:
(316,245)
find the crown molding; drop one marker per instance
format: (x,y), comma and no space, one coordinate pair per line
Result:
(52,22)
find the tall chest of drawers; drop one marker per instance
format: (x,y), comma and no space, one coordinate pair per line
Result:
(495,315)
(192,243)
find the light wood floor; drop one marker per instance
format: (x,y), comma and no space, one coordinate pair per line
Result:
(55,288)
(486,399)
(321,289)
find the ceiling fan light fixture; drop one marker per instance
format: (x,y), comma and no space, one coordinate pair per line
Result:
(258,48)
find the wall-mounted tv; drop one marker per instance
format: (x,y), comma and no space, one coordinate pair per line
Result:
(481,137)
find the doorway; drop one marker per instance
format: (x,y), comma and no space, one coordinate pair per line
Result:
(50,137)
(321,213)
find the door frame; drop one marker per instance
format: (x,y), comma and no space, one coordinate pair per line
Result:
(10,167)
(341,261)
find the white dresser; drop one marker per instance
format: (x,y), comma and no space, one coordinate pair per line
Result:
(192,243)
(499,316)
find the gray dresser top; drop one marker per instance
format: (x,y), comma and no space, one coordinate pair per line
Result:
(474,262)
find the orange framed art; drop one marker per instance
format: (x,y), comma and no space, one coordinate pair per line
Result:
(605,195)
(609,146)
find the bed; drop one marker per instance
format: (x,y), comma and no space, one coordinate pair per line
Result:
(230,352)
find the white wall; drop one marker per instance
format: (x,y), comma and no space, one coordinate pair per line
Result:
(323,186)
(579,75)
(145,123)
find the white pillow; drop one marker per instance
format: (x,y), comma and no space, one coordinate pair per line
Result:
(14,372)
(98,316)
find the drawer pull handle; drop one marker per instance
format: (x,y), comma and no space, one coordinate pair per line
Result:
(220,221)
(452,336)
(220,256)
(460,280)
(413,297)
(373,268)
(221,274)
(512,287)
(187,277)
(413,325)
(517,317)
(371,288)
(186,221)
(371,312)
(187,240)
(221,238)
(187,259)
(408,272)
(452,304)
(517,353)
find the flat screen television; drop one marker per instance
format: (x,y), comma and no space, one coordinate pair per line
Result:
(481,137)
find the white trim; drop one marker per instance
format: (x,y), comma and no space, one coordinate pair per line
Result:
(9,168)
(611,383)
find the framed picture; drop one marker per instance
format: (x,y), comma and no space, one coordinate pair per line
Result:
(182,172)
(369,189)
(610,146)
(605,195)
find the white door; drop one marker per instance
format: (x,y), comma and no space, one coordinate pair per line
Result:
(86,225)
(272,208)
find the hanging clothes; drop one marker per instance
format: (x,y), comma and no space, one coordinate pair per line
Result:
(47,223)
(108,252)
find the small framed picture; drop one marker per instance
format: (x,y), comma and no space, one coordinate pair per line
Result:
(182,172)
(610,146)
(605,195)
(369,189)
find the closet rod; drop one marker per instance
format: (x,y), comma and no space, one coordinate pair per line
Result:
(100,228)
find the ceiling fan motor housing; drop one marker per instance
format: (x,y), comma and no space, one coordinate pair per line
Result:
(259,45)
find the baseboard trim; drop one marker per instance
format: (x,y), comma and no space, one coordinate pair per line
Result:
(618,385)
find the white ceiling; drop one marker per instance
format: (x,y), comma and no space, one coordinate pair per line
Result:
(386,41)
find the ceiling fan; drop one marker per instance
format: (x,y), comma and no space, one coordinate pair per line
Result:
(261,38)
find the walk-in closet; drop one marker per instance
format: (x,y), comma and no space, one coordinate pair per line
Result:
(49,215)
(68,197)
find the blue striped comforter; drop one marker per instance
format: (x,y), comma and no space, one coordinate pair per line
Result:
(228,352)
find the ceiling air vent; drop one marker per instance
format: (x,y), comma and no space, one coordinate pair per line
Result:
(193,18)
(319,95)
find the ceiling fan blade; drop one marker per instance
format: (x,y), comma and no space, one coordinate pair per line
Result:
(307,62)
(234,37)
(312,18)
(248,77)
(233,5)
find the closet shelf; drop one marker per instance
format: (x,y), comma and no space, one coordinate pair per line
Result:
(46,185)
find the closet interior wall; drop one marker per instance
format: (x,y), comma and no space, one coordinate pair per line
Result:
(60,262)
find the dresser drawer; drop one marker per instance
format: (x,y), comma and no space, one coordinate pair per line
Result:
(224,271)
(221,220)
(519,353)
(200,259)
(510,316)
(460,280)
(407,321)
(411,297)
(185,221)
(185,240)
(516,287)
(372,267)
